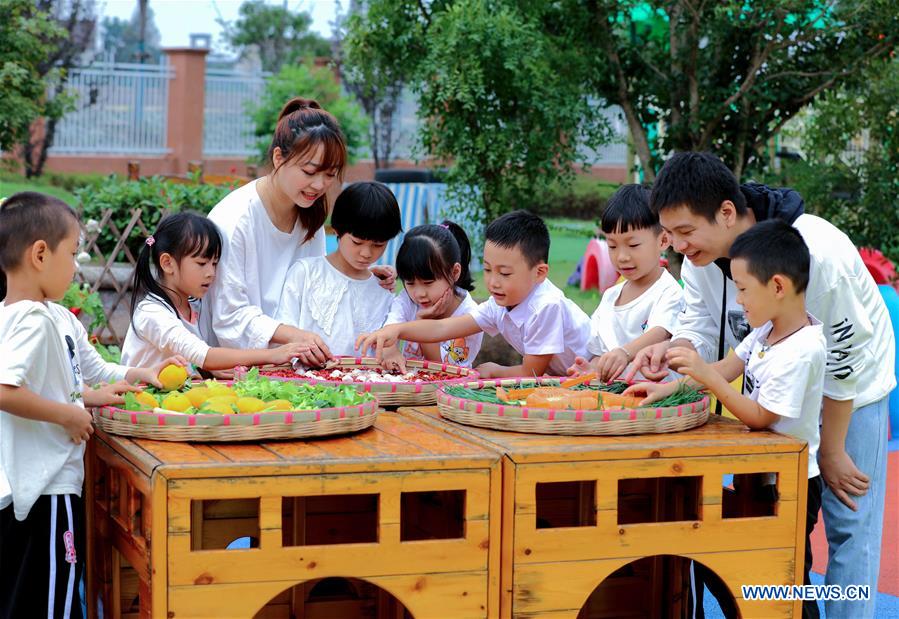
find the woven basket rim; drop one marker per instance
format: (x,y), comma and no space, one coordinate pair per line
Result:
(240,433)
(587,415)
(465,375)
(274,418)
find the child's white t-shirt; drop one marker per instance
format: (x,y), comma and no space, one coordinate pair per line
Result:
(788,380)
(45,349)
(319,298)
(460,351)
(256,256)
(546,322)
(156,333)
(613,326)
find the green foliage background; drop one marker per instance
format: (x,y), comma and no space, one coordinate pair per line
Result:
(307,80)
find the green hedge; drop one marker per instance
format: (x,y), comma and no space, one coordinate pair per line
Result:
(154,194)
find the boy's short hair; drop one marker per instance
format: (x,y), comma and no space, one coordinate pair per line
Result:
(774,247)
(628,209)
(523,230)
(699,181)
(367,210)
(26,218)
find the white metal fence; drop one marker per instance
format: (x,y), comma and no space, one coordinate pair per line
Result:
(120,108)
(227,125)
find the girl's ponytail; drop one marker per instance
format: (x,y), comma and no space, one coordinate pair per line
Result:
(465,280)
(144,282)
(2,285)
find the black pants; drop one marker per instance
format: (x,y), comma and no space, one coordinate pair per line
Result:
(702,576)
(42,559)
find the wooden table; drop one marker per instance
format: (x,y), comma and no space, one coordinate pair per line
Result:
(405,510)
(628,512)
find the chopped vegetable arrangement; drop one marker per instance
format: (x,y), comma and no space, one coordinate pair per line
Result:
(251,394)
(367,375)
(580,397)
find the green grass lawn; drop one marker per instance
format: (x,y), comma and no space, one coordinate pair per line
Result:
(8,187)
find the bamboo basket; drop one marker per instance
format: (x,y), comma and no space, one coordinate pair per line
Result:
(237,427)
(393,394)
(649,420)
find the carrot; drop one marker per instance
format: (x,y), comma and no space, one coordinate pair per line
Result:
(614,400)
(578,380)
(511,395)
(557,397)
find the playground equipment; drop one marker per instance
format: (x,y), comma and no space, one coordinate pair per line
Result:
(879,266)
(597,270)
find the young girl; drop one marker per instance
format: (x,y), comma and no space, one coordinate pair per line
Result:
(269,224)
(175,268)
(336,297)
(433,264)
(643,309)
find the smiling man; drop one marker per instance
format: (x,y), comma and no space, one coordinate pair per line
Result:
(703,208)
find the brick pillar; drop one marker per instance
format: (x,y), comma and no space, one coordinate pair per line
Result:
(186,98)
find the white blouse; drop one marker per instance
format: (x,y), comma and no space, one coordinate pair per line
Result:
(255,259)
(319,298)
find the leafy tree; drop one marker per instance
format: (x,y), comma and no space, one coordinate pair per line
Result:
(377,88)
(500,97)
(62,46)
(122,39)
(725,75)
(857,189)
(721,75)
(319,83)
(280,36)
(24,34)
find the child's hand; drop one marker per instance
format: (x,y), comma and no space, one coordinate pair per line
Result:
(611,364)
(689,363)
(286,352)
(387,275)
(108,393)
(77,423)
(439,307)
(378,340)
(150,375)
(393,360)
(581,366)
(490,370)
(650,362)
(317,353)
(651,392)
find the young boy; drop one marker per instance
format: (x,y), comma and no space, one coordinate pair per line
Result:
(45,359)
(531,314)
(703,208)
(642,310)
(782,358)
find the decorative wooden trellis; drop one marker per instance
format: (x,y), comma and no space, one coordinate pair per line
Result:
(107,334)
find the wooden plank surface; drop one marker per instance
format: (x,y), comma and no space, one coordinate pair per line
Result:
(460,595)
(717,437)
(560,589)
(396,442)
